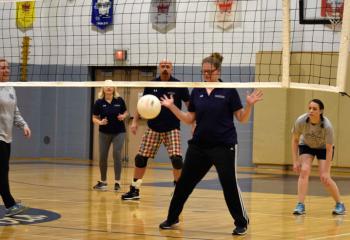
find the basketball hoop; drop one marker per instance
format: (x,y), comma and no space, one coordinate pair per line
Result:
(333,11)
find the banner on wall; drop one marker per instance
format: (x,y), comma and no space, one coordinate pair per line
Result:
(25,14)
(332,8)
(224,16)
(163,15)
(102,13)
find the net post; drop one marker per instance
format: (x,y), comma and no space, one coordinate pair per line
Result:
(344,48)
(286,44)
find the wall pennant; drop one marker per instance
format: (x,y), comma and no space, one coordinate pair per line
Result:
(102,13)
(225,14)
(25,14)
(163,15)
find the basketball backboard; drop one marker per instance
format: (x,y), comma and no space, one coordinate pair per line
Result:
(320,11)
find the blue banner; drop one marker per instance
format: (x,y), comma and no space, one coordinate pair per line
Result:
(102,13)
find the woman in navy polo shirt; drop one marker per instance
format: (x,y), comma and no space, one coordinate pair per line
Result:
(109,113)
(213,143)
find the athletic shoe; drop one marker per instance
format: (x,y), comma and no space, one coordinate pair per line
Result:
(299,209)
(133,194)
(168,225)
(101,186)
(15,209)
(339,209)
(240,231)
(116,187)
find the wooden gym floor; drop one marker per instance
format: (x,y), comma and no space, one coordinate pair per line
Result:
(65,187)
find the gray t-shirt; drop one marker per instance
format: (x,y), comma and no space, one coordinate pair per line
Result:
(9,114)
(312,135)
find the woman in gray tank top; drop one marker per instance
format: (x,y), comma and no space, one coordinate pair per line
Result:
(313,136)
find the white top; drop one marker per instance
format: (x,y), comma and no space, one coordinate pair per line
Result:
(9,114)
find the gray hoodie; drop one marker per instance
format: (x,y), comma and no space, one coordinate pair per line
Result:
(9,114)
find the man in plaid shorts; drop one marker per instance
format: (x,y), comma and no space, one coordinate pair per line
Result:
(165,128)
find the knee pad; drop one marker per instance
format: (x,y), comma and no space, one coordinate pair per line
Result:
(177,162)
(140,161)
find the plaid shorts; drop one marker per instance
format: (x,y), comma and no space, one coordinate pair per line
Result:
(151,141)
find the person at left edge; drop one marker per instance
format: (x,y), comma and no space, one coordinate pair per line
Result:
(9,116)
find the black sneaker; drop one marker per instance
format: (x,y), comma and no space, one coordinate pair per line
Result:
(168,225)
(101,186)
(133,194)
(116,187)
(240,231)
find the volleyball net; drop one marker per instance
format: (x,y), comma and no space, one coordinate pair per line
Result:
(269,44)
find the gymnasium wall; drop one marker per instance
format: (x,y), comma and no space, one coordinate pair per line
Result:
(275,116)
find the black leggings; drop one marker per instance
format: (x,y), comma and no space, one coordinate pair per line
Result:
(198,162)
(5,150)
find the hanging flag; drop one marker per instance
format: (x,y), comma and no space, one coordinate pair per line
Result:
(102,13)
(25,14)
(332,8)
(224,14)
(163,15)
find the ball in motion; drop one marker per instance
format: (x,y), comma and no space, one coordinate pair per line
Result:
(148,106)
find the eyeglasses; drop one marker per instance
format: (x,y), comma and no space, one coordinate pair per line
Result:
(209,72)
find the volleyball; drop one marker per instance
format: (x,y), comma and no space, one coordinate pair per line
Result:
(148,106)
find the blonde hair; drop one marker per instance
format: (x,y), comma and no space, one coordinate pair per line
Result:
(215,59)
(101,93)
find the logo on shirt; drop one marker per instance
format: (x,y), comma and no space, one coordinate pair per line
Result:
(220,96)
(201,95)
(11,96)
(104,105)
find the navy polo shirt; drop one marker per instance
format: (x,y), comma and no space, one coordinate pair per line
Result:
(214,116)
(166,120)
(103,109)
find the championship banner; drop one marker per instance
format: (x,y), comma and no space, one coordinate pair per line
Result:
(102,13)
(332,8)
(224,14)
(163,15)
(25,14)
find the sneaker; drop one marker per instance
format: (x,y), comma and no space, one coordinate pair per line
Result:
(299,209)
(116,187)
(133,194)
(168,225)
(101,186)
(240,231)
(339,209)
(15,209)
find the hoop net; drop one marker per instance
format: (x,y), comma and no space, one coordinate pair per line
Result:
(334,12)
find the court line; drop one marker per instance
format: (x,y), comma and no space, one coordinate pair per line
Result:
(333,236)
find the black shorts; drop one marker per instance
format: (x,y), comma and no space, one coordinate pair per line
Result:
(320,153)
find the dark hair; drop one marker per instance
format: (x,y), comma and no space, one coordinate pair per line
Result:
(215,59)
(321,106)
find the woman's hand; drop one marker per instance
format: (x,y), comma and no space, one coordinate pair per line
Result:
(103,121)
(26,131)
(296,167)
(325,178)
(133,127)
(121,117)
(253,97)
(167,102)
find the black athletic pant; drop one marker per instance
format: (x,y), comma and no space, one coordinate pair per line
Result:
(198,162)
(5,149)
